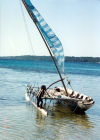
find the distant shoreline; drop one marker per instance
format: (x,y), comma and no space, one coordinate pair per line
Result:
(48,58)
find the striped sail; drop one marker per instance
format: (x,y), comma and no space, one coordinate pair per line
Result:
(52,40)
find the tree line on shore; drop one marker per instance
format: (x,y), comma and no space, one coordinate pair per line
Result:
(48,58)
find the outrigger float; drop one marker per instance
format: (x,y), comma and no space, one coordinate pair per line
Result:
(76,101)
(29,99)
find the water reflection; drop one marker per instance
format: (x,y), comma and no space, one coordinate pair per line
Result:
(60,123)
(62,114)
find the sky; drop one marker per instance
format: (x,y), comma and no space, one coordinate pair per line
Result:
(75,22)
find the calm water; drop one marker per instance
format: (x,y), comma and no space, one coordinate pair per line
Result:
(21,121)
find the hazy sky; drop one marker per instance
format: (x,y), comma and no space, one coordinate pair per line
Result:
(75,22)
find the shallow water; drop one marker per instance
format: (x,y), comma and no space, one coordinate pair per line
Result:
(21,121)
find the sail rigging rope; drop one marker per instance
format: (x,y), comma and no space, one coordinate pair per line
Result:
(68,81)
(30,42)
(26,28)
(0,25)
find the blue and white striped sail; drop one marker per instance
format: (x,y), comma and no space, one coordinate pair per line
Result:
(52,40)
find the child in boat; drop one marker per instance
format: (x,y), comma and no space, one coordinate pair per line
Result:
(40,95)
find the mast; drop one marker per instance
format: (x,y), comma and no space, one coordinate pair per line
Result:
(30,13)
(53,60)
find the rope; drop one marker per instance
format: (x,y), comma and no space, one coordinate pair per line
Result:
(26,27)
(75,108)
(0,27)
(68,81)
